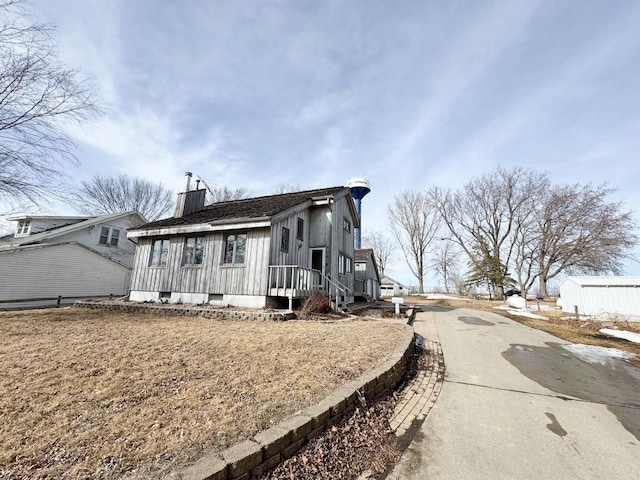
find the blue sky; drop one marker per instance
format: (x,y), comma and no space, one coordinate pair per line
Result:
(408,94)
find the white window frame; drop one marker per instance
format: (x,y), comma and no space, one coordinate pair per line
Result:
(24,227)
(345,265)
(109,236)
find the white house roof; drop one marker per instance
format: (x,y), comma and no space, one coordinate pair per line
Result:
(604,281)
(387,279)
(27,248)
(73,227)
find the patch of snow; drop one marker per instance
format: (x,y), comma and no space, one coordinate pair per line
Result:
(443,296)
(630,336)
(525,313)
(520,313)
(599,355)
(516,301)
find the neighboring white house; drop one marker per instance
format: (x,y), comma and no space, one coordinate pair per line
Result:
(392,288)
(249,252)
(51,256)
(593,295)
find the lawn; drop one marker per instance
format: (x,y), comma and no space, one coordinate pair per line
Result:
(96,394)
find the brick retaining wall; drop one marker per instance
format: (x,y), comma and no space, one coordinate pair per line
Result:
(189,310)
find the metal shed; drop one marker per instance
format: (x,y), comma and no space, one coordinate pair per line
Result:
(601,295)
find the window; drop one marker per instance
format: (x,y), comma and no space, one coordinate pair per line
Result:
(109,236)
(159,253)
(115,235)
(284,241)
(104,236)
(234,249)
(300,230)
(346,224)
(193,251)
(23,228)
(345,265)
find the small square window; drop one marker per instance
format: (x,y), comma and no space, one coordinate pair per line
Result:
(23,228)
(346,224)
(284,241)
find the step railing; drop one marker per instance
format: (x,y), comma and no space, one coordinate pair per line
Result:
(293,281)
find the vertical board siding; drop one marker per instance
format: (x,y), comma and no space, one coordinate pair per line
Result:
(343,241)
(210,277)
(298,253)
(67,270)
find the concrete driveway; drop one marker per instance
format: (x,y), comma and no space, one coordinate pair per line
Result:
(518,403)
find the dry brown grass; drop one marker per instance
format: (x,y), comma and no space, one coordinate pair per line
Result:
(93,394)
(558,323)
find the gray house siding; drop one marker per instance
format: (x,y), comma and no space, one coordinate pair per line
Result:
(212,276)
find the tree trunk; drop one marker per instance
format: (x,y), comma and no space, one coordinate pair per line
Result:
(543,286)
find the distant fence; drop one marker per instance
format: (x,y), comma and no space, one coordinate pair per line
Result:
(42,302)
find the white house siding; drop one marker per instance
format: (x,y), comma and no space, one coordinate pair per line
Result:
(212,277)
(68,269)
(90,236)
(601,295)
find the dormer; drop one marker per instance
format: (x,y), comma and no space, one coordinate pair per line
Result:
(24,228)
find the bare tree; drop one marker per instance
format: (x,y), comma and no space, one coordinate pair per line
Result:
(580,231)
(287,188)
(38,97)
(483,217)
(225,194)
(415,222)
(445,262)
(102,195)
(383,248)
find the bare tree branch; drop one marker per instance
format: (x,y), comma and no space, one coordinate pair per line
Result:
(415,222)
(383,248)
(38,97)
(102,195)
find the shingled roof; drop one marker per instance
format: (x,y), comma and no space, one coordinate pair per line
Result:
(246,208)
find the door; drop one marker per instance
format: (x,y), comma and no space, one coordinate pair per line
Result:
(318,263)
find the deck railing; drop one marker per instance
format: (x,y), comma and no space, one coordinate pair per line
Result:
(293,281)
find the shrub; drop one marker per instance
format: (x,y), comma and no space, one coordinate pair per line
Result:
(316,303)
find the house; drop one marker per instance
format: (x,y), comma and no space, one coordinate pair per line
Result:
(391,288)
(601,295)
(51,256)
(367,278)
(251,252)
